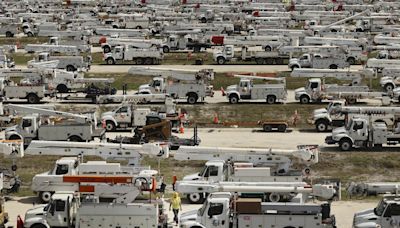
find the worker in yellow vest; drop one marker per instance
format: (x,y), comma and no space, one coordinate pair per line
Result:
(176,205)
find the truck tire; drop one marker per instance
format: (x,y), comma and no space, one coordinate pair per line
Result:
(38,225)
(14,137)
(75,138)
(165,49)
(268,48)
(32,98)
(139,61)
(345,144)
(106,49)
(274,197)
(45,197)
(269,61)
(351,60)
(321,125)
(29,34)
(192,98)
(110,126)
(110,61)
(61,88)
(294,67)
(389,87)
(333,66)
(260,61)
(304,99)
(267,127)
(233,99)
(221,60)
(9,34)
(279,61)
(70,68)
(282,128)
(148,61)
(195,198)
(203,20)
(271,99)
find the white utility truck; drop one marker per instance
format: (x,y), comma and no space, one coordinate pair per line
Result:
(74,127)
(362,132)
(128,115)
(180,84)
(151,56)
(373,188)
(67,62)
(224,210)
(227,54)
(33,93)
(390,79)
(316,90)
(386,214)
(336,114)
(318,61)
(247,90)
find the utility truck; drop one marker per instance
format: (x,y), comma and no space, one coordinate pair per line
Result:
(33,93)
(179,84)
(390,79)
(373,188)
(362,132)
(247,90)
(227,54)
(52,48)
(223,209)
(128,115)
(336,114)
(386,214)
(74,128)
(316,90)
(318,61)
(151,56)
(70,63)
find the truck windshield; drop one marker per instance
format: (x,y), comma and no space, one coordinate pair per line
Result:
(203,171)
(380,208)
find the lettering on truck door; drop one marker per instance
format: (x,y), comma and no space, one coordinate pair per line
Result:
(216,217)
(122,115)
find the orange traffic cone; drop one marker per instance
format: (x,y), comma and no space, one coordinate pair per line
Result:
(181,129)
(216,120)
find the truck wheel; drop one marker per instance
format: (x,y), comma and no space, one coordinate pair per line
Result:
(351,60)
(32,98)
(110,61)
(294,67)
(333,66)
(106,49)
(165,49)
(304,99)
(271,99)
(233,99)
(38,226)
(321,125)
(70,68)
(221,60)
(203,20)
(389,87)
(345,144)
(196,49)
(260,61)
(282,128)
(192,98)
(351,100)
(268,48)
(29,34)
(148,61)
(110,126)
(139,61)
(196,198)
(45,197)
(274,197)
(75,138)
(267,128)
(62,88)
(9,34)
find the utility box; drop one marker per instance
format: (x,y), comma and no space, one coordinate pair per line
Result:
(139,116)
(379,133)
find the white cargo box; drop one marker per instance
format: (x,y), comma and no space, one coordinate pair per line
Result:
(99,167)
(139,116)
(253,172)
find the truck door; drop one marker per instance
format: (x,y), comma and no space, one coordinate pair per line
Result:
(119,53)
(28,127)
(391,216)
(212,174)
(305,61)
(358,131)
(123,115)
(57,214)
(244,88)
(216,216)
(315,90)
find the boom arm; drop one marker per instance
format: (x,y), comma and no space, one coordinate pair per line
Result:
(188,75)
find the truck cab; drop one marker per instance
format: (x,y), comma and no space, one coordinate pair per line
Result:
(59,212)
(240,91)
(116,54)
(386,214)
(125,116)
(224,55)
(213,171)
(157,85)
(331,116)
(311,92)
(27,129)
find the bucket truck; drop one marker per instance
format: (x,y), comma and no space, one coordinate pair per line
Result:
(246,90)
(188,84)
(316,89)
(390,79)
(380,64)
(151,56)
(385,214)
(227,54)
(74,128)
(69,63)
(336,114)
(360,131)
(225,166)
(226,210)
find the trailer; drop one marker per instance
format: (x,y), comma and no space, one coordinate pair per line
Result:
(246,90)
(227,54)
(179,84)
(220,208)
(125,53)
(316,90)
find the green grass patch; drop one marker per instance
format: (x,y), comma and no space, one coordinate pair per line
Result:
(23,40)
